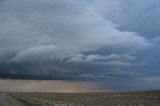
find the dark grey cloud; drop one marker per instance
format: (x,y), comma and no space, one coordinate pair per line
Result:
(79,40)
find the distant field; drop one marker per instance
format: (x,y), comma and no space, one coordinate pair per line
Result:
(137,98)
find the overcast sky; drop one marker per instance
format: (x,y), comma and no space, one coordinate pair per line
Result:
(80,40)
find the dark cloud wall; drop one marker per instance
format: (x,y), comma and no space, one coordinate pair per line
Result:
(79,40)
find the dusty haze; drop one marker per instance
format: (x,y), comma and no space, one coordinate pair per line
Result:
(50,86)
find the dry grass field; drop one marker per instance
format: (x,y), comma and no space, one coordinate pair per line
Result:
(132,98)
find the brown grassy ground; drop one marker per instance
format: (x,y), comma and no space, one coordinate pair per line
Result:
(137,98)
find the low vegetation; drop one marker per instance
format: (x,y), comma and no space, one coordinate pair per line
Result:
(139,98)
(32,101)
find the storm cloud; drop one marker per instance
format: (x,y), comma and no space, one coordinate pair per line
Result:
(79,40)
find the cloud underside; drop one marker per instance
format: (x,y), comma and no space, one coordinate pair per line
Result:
(71,39)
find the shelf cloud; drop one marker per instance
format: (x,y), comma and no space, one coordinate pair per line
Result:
(79,40)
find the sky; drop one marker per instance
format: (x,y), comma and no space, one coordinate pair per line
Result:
(117,41)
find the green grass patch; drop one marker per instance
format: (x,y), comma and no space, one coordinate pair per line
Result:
(31,101)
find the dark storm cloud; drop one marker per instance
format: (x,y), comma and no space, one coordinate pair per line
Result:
(46,39)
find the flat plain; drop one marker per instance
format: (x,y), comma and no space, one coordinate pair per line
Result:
(129,98)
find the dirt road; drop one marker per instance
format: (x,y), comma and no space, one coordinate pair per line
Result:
(6,100)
